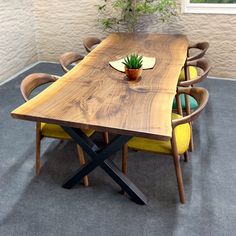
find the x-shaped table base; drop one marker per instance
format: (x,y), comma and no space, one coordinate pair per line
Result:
(99,157)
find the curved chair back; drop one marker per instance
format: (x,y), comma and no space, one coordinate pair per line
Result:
(203,47)
(90,42)
(33,81)
(68,58)
(202,64)
(201,95)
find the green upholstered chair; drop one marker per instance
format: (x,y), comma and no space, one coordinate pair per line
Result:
(179,142)
(193,103)
(203,67)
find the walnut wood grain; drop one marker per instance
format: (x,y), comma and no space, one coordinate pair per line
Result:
(93,95)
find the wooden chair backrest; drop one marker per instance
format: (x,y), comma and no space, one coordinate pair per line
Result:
(90,42)
(201,95)
(203,47)
(202,64)
(68,58)
(33,81)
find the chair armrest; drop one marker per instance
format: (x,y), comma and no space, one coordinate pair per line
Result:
(201,95)
(204,64)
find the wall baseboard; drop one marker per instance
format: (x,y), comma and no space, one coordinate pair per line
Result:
(25,69)
(218,78)
(51,62)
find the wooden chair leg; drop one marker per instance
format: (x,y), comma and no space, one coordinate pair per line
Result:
(191,144)
(188,111)
(105,137)
(186,158)
(178,171)
(187,104)
(178,104)
(125,158)
(179,179)
(38,147)
(82,162)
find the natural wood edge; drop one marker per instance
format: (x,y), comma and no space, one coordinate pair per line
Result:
(93,127)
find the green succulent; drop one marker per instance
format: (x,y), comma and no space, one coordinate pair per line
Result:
(133,61)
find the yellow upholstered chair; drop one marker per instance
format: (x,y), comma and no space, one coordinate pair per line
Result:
(44,130)
(191,72)
(189,103)
(179,142)
(90,43)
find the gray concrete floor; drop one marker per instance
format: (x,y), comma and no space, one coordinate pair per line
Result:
(37,205)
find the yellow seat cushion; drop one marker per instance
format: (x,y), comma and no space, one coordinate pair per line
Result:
(192,73)
(182,134)
(55,131)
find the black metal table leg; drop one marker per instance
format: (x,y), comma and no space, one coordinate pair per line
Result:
(99,158)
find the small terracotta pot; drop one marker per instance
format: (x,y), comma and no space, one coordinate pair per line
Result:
(133,74)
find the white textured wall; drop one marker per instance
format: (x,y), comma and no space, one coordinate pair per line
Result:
(17,36)
(219,31)
(61,25)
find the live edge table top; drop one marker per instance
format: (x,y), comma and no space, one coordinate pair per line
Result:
(93,95)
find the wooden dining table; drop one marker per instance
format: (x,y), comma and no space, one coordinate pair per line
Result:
(93,95)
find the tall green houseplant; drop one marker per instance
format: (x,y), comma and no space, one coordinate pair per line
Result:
(113,14)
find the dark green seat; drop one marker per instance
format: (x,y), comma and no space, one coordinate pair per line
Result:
(193,103)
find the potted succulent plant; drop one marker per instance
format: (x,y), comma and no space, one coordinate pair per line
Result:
(133,66)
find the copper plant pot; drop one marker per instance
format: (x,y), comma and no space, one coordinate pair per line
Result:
(133,74)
